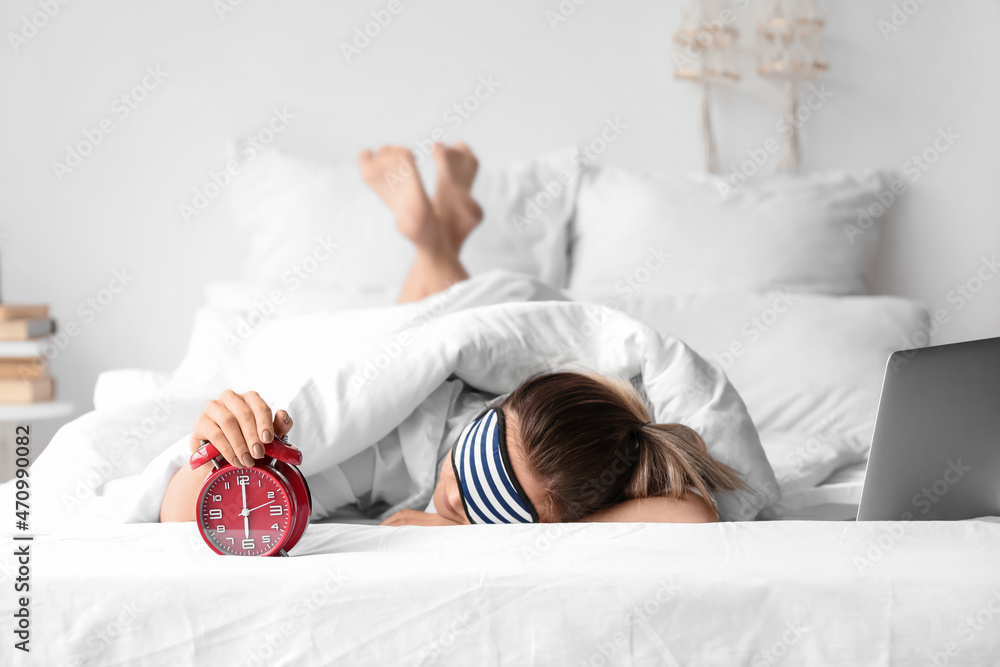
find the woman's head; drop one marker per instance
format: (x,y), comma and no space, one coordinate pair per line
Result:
(580,444)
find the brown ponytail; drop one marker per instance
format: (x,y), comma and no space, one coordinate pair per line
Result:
(588,440)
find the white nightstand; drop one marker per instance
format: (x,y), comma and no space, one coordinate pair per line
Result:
(12,416)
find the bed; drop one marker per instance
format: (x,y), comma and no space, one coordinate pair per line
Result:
(767,292)
(747,593)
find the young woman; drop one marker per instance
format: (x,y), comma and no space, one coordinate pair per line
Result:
(561,447)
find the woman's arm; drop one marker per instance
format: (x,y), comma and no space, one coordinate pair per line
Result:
(238,425)
(690,508)
(182,493)
(416,518)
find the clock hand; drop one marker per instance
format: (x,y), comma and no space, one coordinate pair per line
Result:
(259,506)
(245,513)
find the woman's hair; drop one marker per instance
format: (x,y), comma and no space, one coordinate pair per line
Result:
(588,440)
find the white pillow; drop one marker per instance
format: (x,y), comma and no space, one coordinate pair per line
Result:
(809,367)
(296,211)
(687,232)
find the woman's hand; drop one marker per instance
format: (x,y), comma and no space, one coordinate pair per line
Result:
(234,423)
(416,518)
(239,425)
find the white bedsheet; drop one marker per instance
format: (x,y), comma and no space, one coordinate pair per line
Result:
(754,593)
(835,499)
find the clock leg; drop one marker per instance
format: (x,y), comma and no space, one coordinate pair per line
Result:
(282,552)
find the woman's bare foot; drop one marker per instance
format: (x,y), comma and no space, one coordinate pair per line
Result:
(392,174)
(453,202)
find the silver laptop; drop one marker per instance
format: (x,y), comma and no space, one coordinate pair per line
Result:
(935,452)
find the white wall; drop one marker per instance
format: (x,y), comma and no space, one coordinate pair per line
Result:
(119,210)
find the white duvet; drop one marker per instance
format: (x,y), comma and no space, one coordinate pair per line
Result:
(354,379)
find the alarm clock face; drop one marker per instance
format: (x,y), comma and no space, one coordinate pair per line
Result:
(246,511)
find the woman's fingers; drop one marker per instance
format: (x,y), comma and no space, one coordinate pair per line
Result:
(239,425)
(230,428)
(205,428)
(397,519)
(282,423)
(246,420)
(262,415)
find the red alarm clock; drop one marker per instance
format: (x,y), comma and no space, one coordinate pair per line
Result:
(257,511)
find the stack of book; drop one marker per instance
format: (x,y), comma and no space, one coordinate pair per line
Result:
(23,374)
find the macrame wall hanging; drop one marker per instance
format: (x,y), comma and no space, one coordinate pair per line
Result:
(789,50)
(704,52)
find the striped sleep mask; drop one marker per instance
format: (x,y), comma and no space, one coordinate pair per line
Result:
(490,491)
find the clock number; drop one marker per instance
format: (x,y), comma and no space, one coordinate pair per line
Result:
(231,540)
(215,514)
(274,526)
(217,498)
(270,494)
(249,544)
(227,486)
(266,539)
(243,480)
(275,510)
(221,528)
